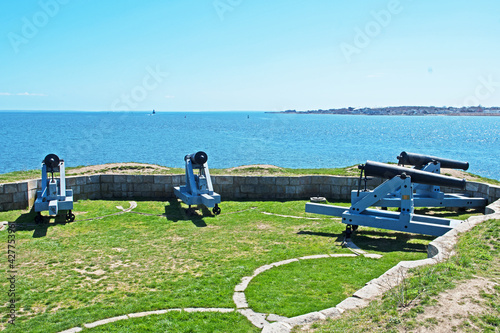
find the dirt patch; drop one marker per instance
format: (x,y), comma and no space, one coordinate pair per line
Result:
(454,306)
(262,167)
(114,168)
(458,174)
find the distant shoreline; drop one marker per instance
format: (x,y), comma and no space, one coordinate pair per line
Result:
(405,111)
(464,114)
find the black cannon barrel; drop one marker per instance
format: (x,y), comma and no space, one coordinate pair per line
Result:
(417,176)
(419,160)
(51,161)
(197,158)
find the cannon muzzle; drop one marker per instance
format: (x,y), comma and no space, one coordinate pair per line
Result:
(387,171)
(199,158)
(52,162)
(421,160)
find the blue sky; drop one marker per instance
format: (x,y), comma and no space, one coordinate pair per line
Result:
(247,55)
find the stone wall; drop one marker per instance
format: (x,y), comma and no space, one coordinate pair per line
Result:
(21,195)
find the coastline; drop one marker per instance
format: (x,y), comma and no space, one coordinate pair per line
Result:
(462,114)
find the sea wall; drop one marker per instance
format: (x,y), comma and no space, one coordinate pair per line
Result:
(21,195)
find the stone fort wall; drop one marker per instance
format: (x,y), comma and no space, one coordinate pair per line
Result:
(21,195)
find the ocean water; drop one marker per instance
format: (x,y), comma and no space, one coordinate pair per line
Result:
(241,138)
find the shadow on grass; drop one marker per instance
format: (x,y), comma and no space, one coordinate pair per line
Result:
(26,222)
(369,240)
(379,241)
(174,212)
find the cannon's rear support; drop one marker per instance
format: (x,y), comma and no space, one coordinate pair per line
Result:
(359,214)
(53,196)
(198,189)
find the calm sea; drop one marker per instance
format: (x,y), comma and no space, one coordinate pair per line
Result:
(240,138)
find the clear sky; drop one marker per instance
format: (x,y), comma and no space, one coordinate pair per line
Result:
(183,55)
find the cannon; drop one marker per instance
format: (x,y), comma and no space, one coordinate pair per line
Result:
(421,161)
(53,196)
(198,189)
(402,180)
(427,190)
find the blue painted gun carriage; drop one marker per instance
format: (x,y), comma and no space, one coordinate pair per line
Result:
(406,188)
(53,196)
(198,189)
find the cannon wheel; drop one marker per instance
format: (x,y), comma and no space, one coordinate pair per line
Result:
(38,218)
(216,210)
(70,217)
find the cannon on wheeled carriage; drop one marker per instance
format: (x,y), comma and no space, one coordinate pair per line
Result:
(53,196)
(198,189)
(401,180)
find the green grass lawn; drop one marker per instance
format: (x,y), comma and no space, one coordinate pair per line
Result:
(92,269)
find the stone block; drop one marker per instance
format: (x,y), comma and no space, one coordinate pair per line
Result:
(161,179)
(94,195)
(248,188)
(176,180)
(76,189)
(148,179)
(10,188)
(351,303)
(143,187)
(290,189)
(251,180)
(294,181)
(119,179)
(158,187)
(305,180)
(353,181)
(305,319)
(95,179)
(331,312)
(223,180)
(267,180)
(282,180)
(279,189)
(325,190)
(311,190)
(238,180)
(472,186)
(22,187)
(107,178)
(318,180)
(6,198)
(92,188)
(32,184)
(105,187)
(70,181)
(1,189)
(20,197)
(278,327)
(115,187)
(81,180)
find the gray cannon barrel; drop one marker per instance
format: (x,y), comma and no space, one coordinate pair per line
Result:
(377,169)
(197,158)
(420,160)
